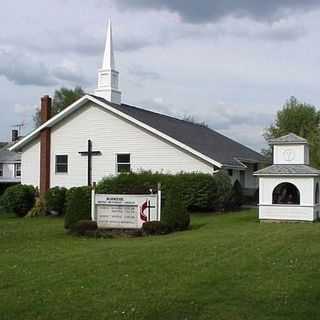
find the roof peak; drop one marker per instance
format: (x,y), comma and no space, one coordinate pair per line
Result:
(290,138)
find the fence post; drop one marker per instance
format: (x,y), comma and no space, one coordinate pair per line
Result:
(159,202)
(93,201)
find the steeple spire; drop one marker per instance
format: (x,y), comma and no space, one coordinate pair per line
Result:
(108,77)
(108,58)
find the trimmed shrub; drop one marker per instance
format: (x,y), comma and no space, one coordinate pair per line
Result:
(78,205)
(154,228)
(174,214)
(55,200)
(82,227)
(5,186)
(18,199)
(236,198)
(199,191)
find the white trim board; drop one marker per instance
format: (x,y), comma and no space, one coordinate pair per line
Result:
(73,107)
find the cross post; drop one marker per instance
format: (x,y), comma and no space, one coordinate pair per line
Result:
(89,154)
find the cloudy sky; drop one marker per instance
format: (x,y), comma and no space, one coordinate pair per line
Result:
(230,63)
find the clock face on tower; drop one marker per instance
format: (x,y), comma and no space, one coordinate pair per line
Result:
(288,155)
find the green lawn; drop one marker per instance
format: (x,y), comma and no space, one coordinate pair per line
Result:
(227,267)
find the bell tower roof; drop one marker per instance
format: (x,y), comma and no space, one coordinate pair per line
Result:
(290,138)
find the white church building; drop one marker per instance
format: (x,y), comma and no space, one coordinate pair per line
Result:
(98,135)
(289,189)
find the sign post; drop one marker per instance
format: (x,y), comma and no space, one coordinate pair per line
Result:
(93,199)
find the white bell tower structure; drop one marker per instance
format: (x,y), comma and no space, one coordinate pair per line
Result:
(108,76)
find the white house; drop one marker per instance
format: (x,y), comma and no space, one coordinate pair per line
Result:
(98,135)
(10,162)
(289,189)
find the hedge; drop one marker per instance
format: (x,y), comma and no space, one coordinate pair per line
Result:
(5,186)
(18,199)
(174,213)
(55,199)
(236,197)
(199,191)
(78,206)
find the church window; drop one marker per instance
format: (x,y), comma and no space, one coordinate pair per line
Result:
(123,162)
(316,195)
(1,169)
(230,172)
(17,169)
(286,193)
(61,163)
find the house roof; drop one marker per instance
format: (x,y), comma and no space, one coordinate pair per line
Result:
(8,156)
(201,138)
(290,138)
(288,170)
(197,139)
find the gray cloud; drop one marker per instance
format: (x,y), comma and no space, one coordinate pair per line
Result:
(70,73)
(213,10)
(24,70)
(142,73)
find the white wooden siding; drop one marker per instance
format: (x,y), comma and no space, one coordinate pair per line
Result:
(30,163)
(110,135)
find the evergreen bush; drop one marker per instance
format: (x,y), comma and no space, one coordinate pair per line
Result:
(78,205)
(18,199)
(4,186)
(236,197)
(174,213)
(55,200)
(199,191)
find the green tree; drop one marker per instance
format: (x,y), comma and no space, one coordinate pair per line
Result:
(62,98)
(302,119)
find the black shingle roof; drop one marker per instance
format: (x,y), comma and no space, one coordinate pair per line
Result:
(8,156)
(202,139)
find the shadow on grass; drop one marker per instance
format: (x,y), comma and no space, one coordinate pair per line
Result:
(197,226)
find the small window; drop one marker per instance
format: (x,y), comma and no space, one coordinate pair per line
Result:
(17,169)
(123,162)
(62,164)
(230,172)
(1,169)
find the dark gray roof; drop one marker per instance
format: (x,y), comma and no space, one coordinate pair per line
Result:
(288,169)
(202,139)
(290,138)
(8,156)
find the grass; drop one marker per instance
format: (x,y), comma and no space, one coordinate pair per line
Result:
(227,267)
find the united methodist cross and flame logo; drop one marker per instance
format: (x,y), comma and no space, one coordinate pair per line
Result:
(143,208)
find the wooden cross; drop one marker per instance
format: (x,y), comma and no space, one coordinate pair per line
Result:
(89,154)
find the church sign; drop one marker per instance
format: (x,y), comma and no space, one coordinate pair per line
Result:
(122,211)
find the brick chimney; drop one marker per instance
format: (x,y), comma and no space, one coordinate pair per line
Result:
(45,153)
(14,135)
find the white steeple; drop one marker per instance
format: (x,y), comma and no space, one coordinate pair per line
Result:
(108,77)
